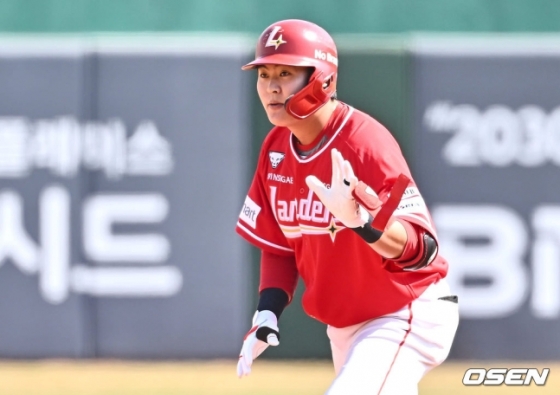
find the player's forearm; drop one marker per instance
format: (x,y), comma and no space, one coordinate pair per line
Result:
(392,242)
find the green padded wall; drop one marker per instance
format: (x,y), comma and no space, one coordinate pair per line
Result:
(358,16)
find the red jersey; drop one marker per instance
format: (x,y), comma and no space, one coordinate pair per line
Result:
(346,281)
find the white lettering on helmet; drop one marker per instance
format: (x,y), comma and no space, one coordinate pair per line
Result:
(326,56)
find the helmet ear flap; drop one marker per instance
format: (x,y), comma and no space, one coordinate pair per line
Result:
(312,97)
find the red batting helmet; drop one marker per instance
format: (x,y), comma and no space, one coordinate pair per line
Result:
(294,42)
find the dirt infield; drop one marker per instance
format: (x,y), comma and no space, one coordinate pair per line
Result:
(219,378)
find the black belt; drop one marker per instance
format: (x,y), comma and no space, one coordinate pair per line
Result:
(450,298)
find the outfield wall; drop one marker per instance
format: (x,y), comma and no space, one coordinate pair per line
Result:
(486,132)
(122,170)
(124,162)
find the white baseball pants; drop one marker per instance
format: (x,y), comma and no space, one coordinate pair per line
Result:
(389,355)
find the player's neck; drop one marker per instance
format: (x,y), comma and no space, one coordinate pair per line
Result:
(308,129)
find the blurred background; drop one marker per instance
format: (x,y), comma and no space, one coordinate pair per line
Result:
(129,135)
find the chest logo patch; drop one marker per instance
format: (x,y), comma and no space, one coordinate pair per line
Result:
(275,158)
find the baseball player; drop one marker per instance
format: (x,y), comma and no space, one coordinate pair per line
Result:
(332,201)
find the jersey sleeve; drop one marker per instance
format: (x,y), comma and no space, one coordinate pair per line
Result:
(381,163)
(257,223)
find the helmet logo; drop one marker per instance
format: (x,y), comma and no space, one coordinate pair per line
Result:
(272,42)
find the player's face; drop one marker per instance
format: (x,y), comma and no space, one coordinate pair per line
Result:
(274,85)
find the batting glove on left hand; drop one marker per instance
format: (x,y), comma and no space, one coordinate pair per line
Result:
(338,199)
(264,333)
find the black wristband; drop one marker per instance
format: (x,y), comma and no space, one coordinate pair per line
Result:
(273,299)
(367,232)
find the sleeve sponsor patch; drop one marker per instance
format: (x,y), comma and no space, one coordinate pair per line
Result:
(250,212)
(411,202)
(413,208)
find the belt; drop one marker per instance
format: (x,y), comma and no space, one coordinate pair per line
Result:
(450,298)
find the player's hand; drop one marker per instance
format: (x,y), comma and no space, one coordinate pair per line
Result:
(338,199)
(264,333)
